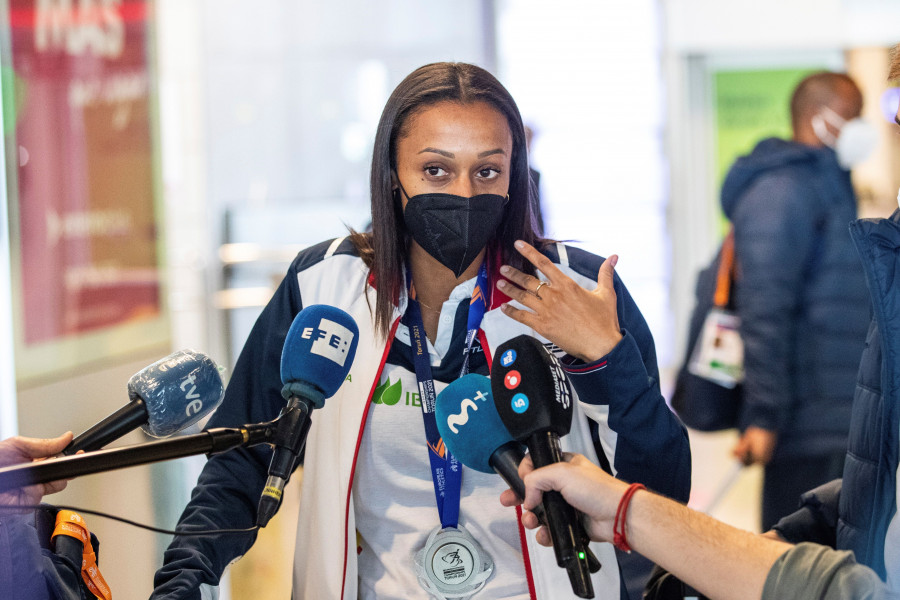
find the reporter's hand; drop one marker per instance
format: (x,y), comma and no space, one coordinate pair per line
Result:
(584,323)
(755,446)
(16,450)
(584,485)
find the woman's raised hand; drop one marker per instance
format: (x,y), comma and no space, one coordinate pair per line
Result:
(583,323)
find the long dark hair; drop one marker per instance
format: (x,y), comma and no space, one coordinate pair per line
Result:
(384,249)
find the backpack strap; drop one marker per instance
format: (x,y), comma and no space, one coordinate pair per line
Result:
(726,271)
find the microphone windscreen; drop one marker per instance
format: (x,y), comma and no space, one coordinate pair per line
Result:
(177,391)
(468,422)
(530,388)
(319,348)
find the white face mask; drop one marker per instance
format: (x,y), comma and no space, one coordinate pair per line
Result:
(855,141)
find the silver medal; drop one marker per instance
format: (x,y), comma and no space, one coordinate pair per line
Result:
(452,564)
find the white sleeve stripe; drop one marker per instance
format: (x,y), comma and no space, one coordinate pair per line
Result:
(563,254)
(333,247)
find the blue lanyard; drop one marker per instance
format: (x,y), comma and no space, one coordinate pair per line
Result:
(446,471)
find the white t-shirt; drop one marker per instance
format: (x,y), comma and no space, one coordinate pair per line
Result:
(393,493)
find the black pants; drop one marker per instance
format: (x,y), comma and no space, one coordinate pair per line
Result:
(786,479)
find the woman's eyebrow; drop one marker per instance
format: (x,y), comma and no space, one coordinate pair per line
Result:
(436,151)
(451,155)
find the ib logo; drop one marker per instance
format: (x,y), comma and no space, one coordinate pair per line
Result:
(508,358)
(332,340)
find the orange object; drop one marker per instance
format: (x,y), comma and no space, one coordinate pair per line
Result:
(726,272)
(71,524)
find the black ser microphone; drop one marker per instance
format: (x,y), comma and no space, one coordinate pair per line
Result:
(532,396)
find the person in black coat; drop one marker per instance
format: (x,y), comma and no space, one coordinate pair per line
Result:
(800,291)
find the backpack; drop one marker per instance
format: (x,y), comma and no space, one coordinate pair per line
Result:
(708,387)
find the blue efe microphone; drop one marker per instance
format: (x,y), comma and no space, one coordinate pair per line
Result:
(473,432)
(316,357)
(170,395)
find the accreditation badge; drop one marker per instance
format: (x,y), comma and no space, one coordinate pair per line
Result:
(452,564)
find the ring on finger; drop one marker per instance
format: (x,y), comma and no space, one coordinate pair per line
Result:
(538,289)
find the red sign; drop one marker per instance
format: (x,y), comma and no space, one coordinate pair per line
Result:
(83,195)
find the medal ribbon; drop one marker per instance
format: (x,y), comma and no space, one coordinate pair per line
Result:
(446,471)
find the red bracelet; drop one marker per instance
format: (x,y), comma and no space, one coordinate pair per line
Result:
(619,539)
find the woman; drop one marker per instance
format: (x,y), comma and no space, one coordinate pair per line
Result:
(452,253)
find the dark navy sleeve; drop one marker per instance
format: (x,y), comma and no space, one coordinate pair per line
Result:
(816,520)
(774,233)
(651,443)
(21,563)
(228,489)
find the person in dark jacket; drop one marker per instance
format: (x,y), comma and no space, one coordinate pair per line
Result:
(800,291)
(859,513)
(21,575)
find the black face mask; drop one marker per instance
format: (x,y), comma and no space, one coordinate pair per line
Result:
(453,229)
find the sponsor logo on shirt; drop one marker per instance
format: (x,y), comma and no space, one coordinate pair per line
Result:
(393,394)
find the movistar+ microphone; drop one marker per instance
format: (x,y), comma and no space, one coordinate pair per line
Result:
(167,396)
(317,354)
(533,400)
(473,432)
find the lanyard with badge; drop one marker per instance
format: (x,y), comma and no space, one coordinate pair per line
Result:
(451,564)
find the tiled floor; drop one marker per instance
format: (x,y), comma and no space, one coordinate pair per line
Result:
(720,486)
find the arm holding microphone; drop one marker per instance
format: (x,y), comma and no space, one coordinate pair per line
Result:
(717,559)
(19,548)
(18,450)
(481,442)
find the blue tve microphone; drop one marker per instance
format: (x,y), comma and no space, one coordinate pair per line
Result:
(474,433)
(168,396)
(316,357)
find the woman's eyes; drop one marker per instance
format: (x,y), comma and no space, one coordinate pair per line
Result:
(489,173)
(485,173)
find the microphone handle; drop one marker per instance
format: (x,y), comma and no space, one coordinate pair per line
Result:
(290,438)
(562,519)
(127,418)
(210,441)
(505,462)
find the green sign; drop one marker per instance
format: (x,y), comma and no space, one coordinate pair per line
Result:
(749,106)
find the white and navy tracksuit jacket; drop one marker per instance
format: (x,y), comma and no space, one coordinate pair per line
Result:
(620,413)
